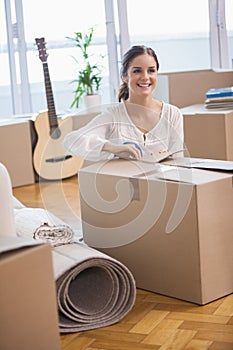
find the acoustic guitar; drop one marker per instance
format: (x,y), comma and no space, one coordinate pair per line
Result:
(50,159)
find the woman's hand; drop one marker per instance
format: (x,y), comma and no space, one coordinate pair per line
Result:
(127,151)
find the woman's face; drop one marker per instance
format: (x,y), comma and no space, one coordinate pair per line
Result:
(141,76)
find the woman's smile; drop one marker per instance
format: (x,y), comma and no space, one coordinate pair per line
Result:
(143,85)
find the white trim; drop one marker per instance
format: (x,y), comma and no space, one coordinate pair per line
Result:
(11,57)
(25,87)
(218,35)
(112,49)
(21,97)
(123,25)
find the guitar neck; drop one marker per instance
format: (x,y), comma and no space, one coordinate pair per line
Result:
(53,122)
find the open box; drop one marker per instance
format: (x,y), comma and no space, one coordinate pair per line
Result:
(171,226)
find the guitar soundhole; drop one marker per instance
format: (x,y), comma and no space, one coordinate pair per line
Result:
(55,133)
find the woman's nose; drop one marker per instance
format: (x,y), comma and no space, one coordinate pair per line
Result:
(145,75)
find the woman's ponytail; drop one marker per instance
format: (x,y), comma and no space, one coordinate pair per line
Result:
(123,93)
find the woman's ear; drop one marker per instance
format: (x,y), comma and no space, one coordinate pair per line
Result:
(124,79)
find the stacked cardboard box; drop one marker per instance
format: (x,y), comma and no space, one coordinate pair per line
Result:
(208,133)
(29,316)
(171,226)
(189,87)
(16,150)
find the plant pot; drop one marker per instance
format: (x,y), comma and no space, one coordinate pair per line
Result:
(92,100)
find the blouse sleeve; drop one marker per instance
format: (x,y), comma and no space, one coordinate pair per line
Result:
(176,142)
(88,141)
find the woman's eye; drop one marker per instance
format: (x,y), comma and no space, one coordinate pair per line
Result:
(152,70)
(136,71)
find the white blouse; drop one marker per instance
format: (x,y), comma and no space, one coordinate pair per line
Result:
(116,126)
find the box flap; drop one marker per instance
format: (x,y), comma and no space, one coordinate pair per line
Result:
(201,163)
(178,172)
(200,109)
(12,243)
(184,175)
(120,167)
(189,175)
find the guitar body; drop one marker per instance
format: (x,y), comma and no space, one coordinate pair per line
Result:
(50,159)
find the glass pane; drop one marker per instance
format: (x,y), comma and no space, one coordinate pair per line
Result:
(229,25)
(55,21)
(178,31)
(5,92)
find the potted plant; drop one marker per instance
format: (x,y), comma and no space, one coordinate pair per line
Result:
(89,79)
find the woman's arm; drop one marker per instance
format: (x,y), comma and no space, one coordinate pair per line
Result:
(88,141)
(122,151)
(93,141)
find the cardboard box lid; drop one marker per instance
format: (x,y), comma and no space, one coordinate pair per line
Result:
(157,171)
(12,243)
(202,163)
(120,167)
(12,121)
(200,109)
(187,175)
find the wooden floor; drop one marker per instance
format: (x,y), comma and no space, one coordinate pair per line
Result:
(156,321)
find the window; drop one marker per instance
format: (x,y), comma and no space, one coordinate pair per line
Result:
(229,27)
(5,83)
(178,31)
(55,21)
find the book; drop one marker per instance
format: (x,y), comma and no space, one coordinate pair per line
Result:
(220,92)
(225,102)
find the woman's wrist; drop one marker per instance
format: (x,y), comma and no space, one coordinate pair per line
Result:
(108,147)
(126,151)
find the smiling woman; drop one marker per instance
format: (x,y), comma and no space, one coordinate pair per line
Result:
(139,118)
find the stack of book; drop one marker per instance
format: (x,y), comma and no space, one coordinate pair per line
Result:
(219,98)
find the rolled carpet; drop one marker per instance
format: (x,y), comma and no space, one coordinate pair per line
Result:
(93,289)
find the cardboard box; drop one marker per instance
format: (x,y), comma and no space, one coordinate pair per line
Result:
(81,120)
(29,316)
(171,226)
(208,134)
(189,87)
(16,151)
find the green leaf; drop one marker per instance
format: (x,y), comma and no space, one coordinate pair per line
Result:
(88,80)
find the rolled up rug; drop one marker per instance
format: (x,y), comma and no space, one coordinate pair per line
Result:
(39,223)
(93,289)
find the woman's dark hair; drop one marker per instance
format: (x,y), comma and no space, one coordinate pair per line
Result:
(133,52)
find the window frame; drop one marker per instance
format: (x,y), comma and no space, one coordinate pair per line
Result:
(21,96)
(218,35)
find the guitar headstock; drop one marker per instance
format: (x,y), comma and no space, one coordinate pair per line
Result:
(40,42)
